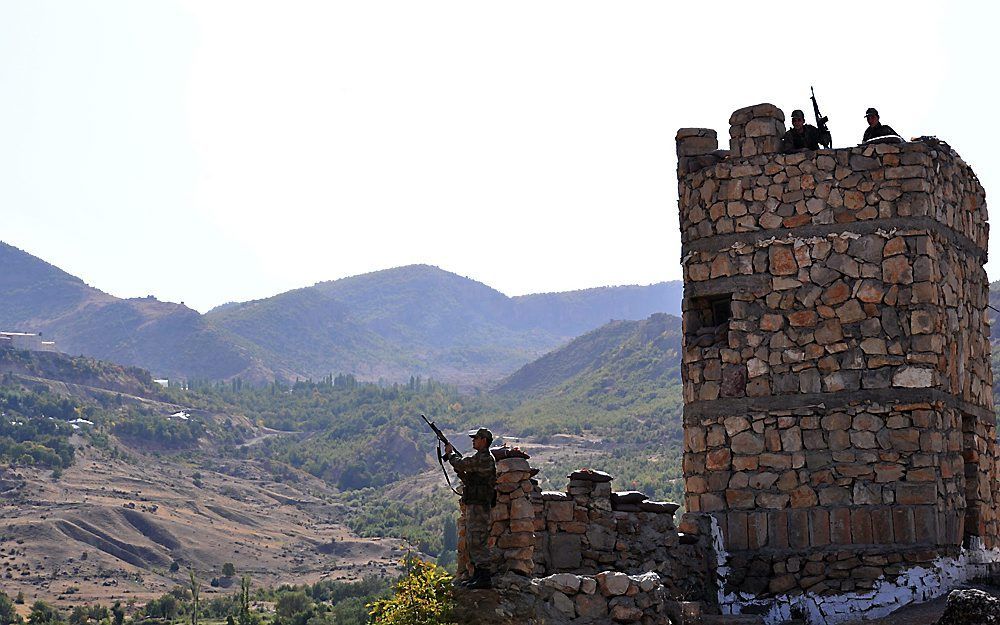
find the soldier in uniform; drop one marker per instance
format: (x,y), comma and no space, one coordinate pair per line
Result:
(479,479)
(876,128)
(803,136)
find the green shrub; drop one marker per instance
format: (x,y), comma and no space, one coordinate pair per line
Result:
(421,597)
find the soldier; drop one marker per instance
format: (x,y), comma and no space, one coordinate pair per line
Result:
(803,136)
(479,478)
(877,129)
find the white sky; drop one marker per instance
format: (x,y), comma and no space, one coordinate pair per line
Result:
(210,151)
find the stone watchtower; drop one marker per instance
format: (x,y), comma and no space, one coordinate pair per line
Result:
(838,394)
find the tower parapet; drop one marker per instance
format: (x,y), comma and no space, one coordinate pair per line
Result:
(837,385)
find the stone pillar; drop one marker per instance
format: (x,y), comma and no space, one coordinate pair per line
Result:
(591,492)
(756,130)
(512,532)
(696,148)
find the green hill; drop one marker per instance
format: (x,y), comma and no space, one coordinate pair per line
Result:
(392,324)
(421,320)
(617,381)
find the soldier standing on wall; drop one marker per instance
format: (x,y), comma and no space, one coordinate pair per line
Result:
(479,478)
(803,136)
(878,130)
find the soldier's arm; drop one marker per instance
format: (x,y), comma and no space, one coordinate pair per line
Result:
(461,464)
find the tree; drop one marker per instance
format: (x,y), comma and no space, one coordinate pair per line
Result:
(245,617)
(8,615)
(44,614)
(118,612)
(194,597)
(228,569)
(291,603)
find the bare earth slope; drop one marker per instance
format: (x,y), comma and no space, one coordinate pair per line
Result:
(117,519)
(111,529)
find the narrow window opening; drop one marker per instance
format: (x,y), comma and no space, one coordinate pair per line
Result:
(708,317)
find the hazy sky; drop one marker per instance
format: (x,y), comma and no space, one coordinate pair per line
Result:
(210,151)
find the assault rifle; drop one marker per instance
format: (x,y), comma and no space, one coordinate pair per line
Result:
(820,120)
(442,440)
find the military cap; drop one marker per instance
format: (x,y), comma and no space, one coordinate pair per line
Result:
(482,432)
(798,114)
(871,112)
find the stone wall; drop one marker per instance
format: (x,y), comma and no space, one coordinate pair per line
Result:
(613,596)
(588,529)
(837,384)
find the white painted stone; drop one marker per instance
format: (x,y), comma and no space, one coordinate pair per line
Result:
(914,585)
(647,581)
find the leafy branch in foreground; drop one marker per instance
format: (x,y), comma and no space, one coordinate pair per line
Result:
(422,596)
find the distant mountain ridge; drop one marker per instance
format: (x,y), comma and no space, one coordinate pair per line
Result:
(167,338)
(390,324)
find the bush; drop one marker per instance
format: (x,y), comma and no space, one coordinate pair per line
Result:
(44,614)
(8,615)
(421,597)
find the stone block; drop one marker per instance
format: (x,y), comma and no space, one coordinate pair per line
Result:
(513,464)
(600,538)
(593,606)
(522,508)
(564,604)
(563,582)
(747,442)
(819,527)
(736,531)
(902,525)
(925,524)
(560,511)
(613,583)
(861,526)
(625,614)
(882,526)
(565,551)
(840,526)
(777,529)
(798,529)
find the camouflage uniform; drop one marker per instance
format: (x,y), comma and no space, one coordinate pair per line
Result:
(878,130)
(479,477)
(808,138)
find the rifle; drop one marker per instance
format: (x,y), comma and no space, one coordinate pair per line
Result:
(442,440)
(820,120)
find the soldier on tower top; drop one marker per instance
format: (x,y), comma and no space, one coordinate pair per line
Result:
(803,136)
